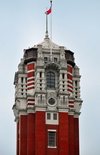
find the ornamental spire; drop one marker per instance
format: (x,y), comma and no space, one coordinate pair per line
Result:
(47,13)
(46,34)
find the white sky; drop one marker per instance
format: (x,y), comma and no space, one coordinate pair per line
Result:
(76,25)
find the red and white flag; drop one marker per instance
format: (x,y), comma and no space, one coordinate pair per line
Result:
(48,11)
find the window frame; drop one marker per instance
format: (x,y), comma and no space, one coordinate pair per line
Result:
(55,59)
(45,59)
(55,116)
(48,116)
(49,145)
(50,80)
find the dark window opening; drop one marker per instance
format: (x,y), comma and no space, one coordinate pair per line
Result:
(55,116)
(45,59)
(55,59)
(21,79)
(63,75)
(75,83)
(50,80)
(48,116)
(40,74)
(51,101)
(51,138)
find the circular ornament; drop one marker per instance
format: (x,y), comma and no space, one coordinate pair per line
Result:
(51,101)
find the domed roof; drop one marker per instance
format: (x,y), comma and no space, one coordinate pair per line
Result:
(47,43)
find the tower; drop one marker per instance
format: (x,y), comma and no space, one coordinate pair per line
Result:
(47,101)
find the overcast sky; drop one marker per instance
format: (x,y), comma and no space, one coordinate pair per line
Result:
(76,25)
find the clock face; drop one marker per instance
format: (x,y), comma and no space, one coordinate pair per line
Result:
(51,101)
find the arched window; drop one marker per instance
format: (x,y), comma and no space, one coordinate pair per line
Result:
(50,76)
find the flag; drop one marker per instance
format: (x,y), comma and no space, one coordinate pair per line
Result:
(48,11)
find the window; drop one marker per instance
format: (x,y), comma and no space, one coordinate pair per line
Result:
(76,83)
(40,74)
(52,118)
(21,79)
(51,101)
(63,75)
(55,116)
(51,138)
(48,116)
(45,59)
(55,59)
(50,80)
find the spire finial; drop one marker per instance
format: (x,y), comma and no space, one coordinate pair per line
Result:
(46,34)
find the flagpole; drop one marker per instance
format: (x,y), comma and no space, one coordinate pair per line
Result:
(46,34)
(51,32)
(51,22)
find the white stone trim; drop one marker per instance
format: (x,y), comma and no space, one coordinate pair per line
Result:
(70,84)
(70,113)
(63,110)
(29,78)
(30,110)
(52,146)
(51,120)
(31,102)
(30,62)
(39,109)
(69,65)
(76,115)
(70,89)
(52,130)
(30,86)
(70,81)
(22,113)
(30,70)
(69,73)
(30,82)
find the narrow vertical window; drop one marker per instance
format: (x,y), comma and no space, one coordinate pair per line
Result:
(63,75)
(50,80)
(40,74)
(48,116)
(45,59)
(76,83)
(51,138)
(55,116)
(55,59)
(21,79)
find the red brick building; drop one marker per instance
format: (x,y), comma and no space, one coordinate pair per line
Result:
(47,101)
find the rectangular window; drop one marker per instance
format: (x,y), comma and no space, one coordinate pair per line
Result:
(63,75)
(45,59)
(55,116)
(21,79)
(51,138)
(76,83)
(48,116)
(40,74)
(55,59)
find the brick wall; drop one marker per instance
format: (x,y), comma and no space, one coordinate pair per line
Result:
(23,135)
(31,134)
(76,136)
(40,137)
(71,134)
(63,134)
